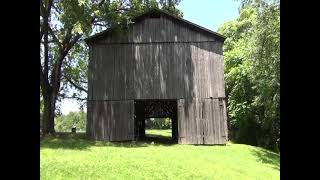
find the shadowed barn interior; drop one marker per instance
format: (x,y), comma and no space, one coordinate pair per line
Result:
(161,66)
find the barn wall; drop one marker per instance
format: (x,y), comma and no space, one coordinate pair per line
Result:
(156,71)
(160,59)
(110,120)
(157,59)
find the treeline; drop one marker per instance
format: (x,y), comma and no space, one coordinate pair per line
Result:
(64,123)
(158,123)
(252,74)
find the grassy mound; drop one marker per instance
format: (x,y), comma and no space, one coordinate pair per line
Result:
(72,157)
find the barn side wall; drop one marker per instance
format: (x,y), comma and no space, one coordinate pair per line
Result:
(157,59)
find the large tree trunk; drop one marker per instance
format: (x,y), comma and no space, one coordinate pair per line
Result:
(48,113)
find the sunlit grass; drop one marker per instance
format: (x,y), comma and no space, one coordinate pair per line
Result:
(74,158)
(157,132)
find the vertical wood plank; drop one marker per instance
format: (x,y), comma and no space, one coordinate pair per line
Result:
(225,120)
(163,70)
(155,62)
(138,70)
(181,121)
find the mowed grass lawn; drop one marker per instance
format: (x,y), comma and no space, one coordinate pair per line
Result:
(159,133)
(75,158)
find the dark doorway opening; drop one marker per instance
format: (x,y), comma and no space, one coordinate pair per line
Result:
(156,109)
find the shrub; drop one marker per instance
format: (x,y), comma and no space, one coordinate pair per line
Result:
(158,123)
(64,123)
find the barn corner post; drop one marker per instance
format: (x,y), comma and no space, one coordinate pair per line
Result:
(89,123)
(225,115)
(225,97)
(160,59)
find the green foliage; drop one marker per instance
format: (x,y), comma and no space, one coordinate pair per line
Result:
(68,158)
(169,6)
(158,123)
(252,74)
(64,123)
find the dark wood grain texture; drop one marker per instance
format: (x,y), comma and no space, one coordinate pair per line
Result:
(157,58)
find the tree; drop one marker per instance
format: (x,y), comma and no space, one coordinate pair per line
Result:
(252,59)
(266,76)
(63,24)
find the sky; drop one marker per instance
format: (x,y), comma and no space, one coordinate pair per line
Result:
(209,13)
(206,13)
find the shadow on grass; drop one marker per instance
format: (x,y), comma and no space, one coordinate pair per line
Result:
(212,145)
(77,141)
(159,140)
(65,141)
(267,157)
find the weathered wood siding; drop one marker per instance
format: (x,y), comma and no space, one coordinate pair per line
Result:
(161,30)
(158,58)
(110,120)
(156,71)
(201,121)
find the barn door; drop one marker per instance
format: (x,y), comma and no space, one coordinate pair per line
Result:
(122,120)
(213,121)
(201,121)
(190,126)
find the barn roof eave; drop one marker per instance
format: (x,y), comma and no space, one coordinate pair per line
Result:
(145,15)
(97,36)
(138,18)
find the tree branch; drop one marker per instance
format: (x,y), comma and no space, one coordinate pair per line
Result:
(121,9)
(55,39)
(66,39)
(49,41)
(72,97)
(56,9)
(45,14)
(84,82)
(68,66)
(56,76)
(46,54)
(99,24)
(44,83)
(94,17)
(75,85)
(41,32)
(42,79)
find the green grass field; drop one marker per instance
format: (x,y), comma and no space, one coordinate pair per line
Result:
(75,158)
(166,133)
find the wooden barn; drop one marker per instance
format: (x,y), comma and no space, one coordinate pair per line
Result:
(162,66)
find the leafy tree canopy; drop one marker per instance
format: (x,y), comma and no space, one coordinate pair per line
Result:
(252,73)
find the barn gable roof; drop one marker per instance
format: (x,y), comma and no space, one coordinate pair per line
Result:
(157,12)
